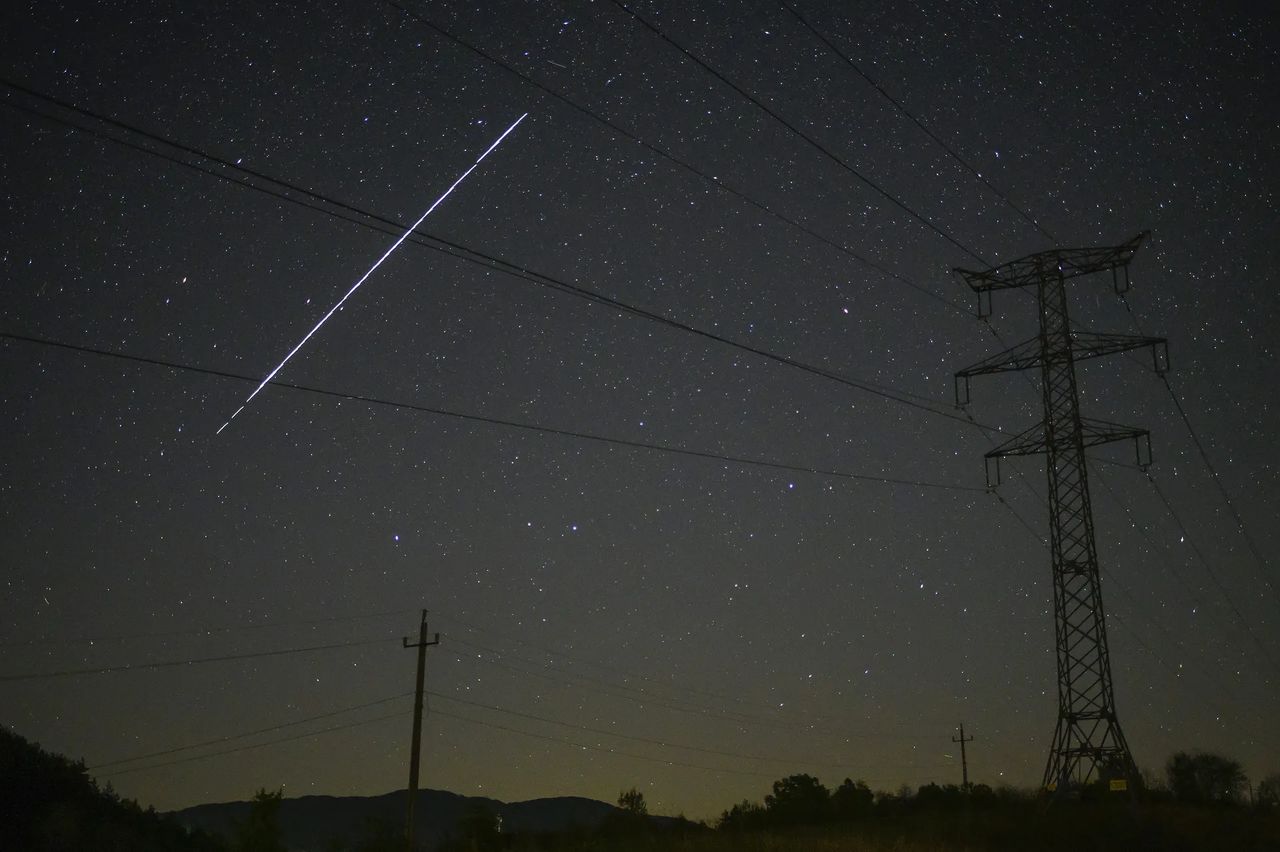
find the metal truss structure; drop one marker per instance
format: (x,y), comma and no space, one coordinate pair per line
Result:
(1088,745)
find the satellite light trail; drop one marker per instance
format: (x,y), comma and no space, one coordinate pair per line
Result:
(372,269)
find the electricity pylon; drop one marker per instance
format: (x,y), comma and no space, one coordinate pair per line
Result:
(1088,744)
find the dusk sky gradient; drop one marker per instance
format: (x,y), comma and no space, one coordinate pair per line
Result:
(597,600)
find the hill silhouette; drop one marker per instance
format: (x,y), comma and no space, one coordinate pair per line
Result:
(313,823)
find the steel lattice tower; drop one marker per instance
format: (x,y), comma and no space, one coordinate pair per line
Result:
(1088,744)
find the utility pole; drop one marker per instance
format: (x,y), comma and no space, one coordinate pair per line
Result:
(964,758)
(1088,744)
(415,755)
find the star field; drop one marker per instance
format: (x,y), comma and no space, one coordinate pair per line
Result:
(767,620)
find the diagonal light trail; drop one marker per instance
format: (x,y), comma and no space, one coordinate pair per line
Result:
(372,269)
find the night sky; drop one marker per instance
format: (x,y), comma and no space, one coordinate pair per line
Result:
(775,620)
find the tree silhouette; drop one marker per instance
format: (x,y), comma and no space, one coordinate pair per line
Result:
(1268,794)
(744,816)
(852,800)
(798,800)
(49,804)
(632,801)
(1203,778)
(260,832)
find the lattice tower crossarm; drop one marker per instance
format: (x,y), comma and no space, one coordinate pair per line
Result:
(1088,743)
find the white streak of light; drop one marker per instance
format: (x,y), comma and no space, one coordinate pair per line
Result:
(365,277)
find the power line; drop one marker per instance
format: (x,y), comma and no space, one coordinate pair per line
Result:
(646,740)
(613,751)
(667,155)
(462,718)
(1182,582)
(642,694)
(914,120)
(167,664)
(239,749)
(825,151)
(168,751)
(629,693)
(1213,575)
(1026,525)
(1209,466)
(495,421)
(552,674)
(603,687)
(588,747)
(205,631)
(465,253)
(554,652)
(1111,579)
(1222,491)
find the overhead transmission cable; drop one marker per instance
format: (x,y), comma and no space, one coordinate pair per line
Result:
(646,740)
(1176,671)
(573,657)
(617,753)
(168,664)
(597,748)
(1259,561)
(112,768)
(245,735)
(857,69)
(669,156)
(602,687)
(1110,577)
(751,98)
(1177,520)
(603,749)
(252,746)
(494,421)
(1252,545)
(579,681)
(617,690)
(1183,582)
(764,107)
(1222,490)
(435,713)
(907,398)
(813,143)
(1213,575)
(640,693)
(203,631)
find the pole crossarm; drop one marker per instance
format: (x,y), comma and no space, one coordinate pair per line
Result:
(1084,345)
(1092,344)
(1092,433)
(1032,442)
(1028,355)
(1070,262)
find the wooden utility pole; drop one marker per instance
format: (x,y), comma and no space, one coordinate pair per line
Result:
(964,758)
(415,755)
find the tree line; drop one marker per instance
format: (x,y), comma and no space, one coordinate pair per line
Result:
(49,804)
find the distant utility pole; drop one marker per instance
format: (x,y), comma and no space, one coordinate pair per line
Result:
(964,758)
(1088,744)
(415,755)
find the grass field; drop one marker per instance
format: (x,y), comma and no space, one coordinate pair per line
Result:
(1157,827)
